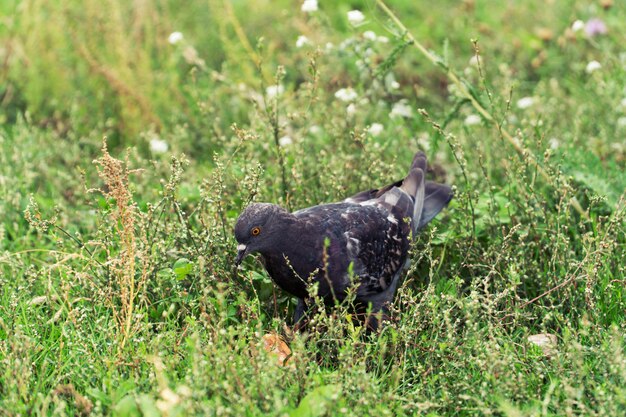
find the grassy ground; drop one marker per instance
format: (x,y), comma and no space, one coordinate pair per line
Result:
(117,291)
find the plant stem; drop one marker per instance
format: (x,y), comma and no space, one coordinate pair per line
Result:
(477,106)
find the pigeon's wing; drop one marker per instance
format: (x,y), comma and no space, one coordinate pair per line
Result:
(378,233)
(371,239)
(370,232)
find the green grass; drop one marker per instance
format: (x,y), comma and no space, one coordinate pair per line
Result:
(117,289)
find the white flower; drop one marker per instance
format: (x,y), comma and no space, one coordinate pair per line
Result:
(285,141)
(315,129)
(593,66)
(175,37)
(554,143)
(355,17)
(369,35)
(473,62)
(401,109)
(274,90)
(621,122)
(346,94)
(301,41)
(309,6)
(158,145)
(578,25)
(375,129)
(351,109)
(383,39)
(525,102)
(472,119)
(390,81)
(547,343)
(329,46)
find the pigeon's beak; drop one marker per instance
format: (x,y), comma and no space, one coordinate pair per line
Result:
(242,251)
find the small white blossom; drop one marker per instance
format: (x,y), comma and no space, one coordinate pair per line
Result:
(175,37)
(622,103)
(274,90)
(285,141)
(525,102)
(301,41)
(369,35)
(401,109)
(158,145)
(346,94)
(390,81)
(309,6)
(375,129)
(345,44)
(382,39)
(472,119)
(473,62)
(329,46)
(351,109)
(578,25)
(315,129)
(593,66)
(355,17)
(554,143)
(546,342)
(621,122)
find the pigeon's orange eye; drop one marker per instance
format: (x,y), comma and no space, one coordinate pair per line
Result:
(255,231)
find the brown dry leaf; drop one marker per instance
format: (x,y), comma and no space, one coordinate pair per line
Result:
(82,403)
(275,345)
(606,4)
(546,341)
(544,34)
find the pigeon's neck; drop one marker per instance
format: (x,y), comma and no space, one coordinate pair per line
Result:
(284,261)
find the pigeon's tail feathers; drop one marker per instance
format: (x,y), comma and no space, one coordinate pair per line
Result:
(414,186)
(419,161)
(437,196)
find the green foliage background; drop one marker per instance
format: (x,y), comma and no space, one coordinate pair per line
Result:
(115,307)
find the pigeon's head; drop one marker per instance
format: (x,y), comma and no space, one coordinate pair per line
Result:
(258,228)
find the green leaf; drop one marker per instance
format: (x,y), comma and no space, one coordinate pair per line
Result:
(182,268)
(148,406)
(127,407)
(317,402)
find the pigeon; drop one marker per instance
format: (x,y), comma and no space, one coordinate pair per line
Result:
(362,241)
